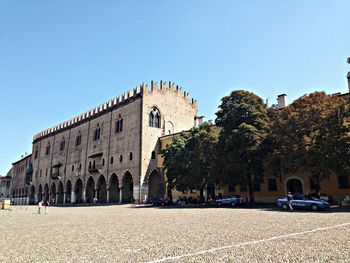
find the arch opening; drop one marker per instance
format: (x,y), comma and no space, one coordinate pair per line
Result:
(128,188)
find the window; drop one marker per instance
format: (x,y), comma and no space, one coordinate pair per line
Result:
(111,160)
(256,186)
(78,139)
(64,170)
(48,148)
(103,161)
(97,132)
(119,124)
(130,156)
(272,183)
(79,167)
(90,165)
(153,155)
(121,158)
(62,145)
(40,173)
(231,187)
(73,168)
(343,181)
(36,153)
(154,118)
(46,172)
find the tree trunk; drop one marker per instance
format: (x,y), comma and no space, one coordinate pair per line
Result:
(250,190)
(170,194)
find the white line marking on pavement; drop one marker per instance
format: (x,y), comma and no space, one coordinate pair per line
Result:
(248,243)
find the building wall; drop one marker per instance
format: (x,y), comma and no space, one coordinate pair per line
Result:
(19,187)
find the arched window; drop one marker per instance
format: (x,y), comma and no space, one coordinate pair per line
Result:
(78,139)
(62,144)
(103,162)
(111,160)
(73,168)
(130,156)
(119,124)
(36,153)
(121,158)
(89,165)
(48,148)
(79,167)
(97,132)
(154,118)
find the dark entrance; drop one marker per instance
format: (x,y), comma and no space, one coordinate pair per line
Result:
(32,195)
(46,192)
(114,189)
(60,195)
(78,189)
(155,185)
(102,190)
(295,186)
(68,192)
(40,193)
(128,186)
(90,190)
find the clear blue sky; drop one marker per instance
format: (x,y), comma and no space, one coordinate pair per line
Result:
(61,58)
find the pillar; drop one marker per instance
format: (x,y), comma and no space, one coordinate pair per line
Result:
(84,196)
(120,194)
(72,198)
(56,198)
(107,195)
(64,197)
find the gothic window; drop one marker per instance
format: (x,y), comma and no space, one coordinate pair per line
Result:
(97,132)
(111,160)
(73,168)
(62,144)
(121,158)
(78,139)
(119,124)
(154,118)
(103,162)
(79,167)
(48,148)
(130,156)
(36,153)
(153,155)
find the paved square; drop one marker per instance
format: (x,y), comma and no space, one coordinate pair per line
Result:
(123,233)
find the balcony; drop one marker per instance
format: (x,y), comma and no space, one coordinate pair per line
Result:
(55,176)
(95,169)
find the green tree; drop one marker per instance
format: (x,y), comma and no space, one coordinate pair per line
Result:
(245,125)
(189,159)
(312,135)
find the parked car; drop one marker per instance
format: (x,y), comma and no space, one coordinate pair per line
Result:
(303,202)
(230,200)
(157,200)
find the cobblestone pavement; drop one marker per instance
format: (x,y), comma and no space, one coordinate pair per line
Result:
(123,233)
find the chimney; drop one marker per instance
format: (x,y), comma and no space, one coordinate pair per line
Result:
(282,101)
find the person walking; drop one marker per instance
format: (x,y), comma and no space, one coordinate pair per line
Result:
(40,206)
(290,198)
(46,205)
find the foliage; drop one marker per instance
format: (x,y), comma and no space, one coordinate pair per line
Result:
(245,126)
(311,134)
(189,159)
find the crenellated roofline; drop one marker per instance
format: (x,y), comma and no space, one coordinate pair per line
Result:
(114,103)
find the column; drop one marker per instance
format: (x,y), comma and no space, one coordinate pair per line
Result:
(56,198)
(64,197)
(72,198)
(84,196)
(120,194)
(107,195)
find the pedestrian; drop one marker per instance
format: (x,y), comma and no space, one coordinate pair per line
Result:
(290,198)
(40,206)
(46,205)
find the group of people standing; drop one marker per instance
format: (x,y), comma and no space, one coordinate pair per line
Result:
(42,204)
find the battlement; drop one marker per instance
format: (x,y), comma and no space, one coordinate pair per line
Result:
(116,102)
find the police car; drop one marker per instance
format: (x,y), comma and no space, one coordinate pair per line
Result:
(303,202)
(230,200)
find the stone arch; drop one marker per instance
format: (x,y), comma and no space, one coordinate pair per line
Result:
(154,117)
(40,193)
(68,191)
(294,184)
(78,190)
(114,189)
(32,195)
(155,184)
(128,188)
(46,192)
(90,190)
(53,193)
(169,127)
(60,193)
(101,189)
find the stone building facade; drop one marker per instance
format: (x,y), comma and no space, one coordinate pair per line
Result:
(108,154)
